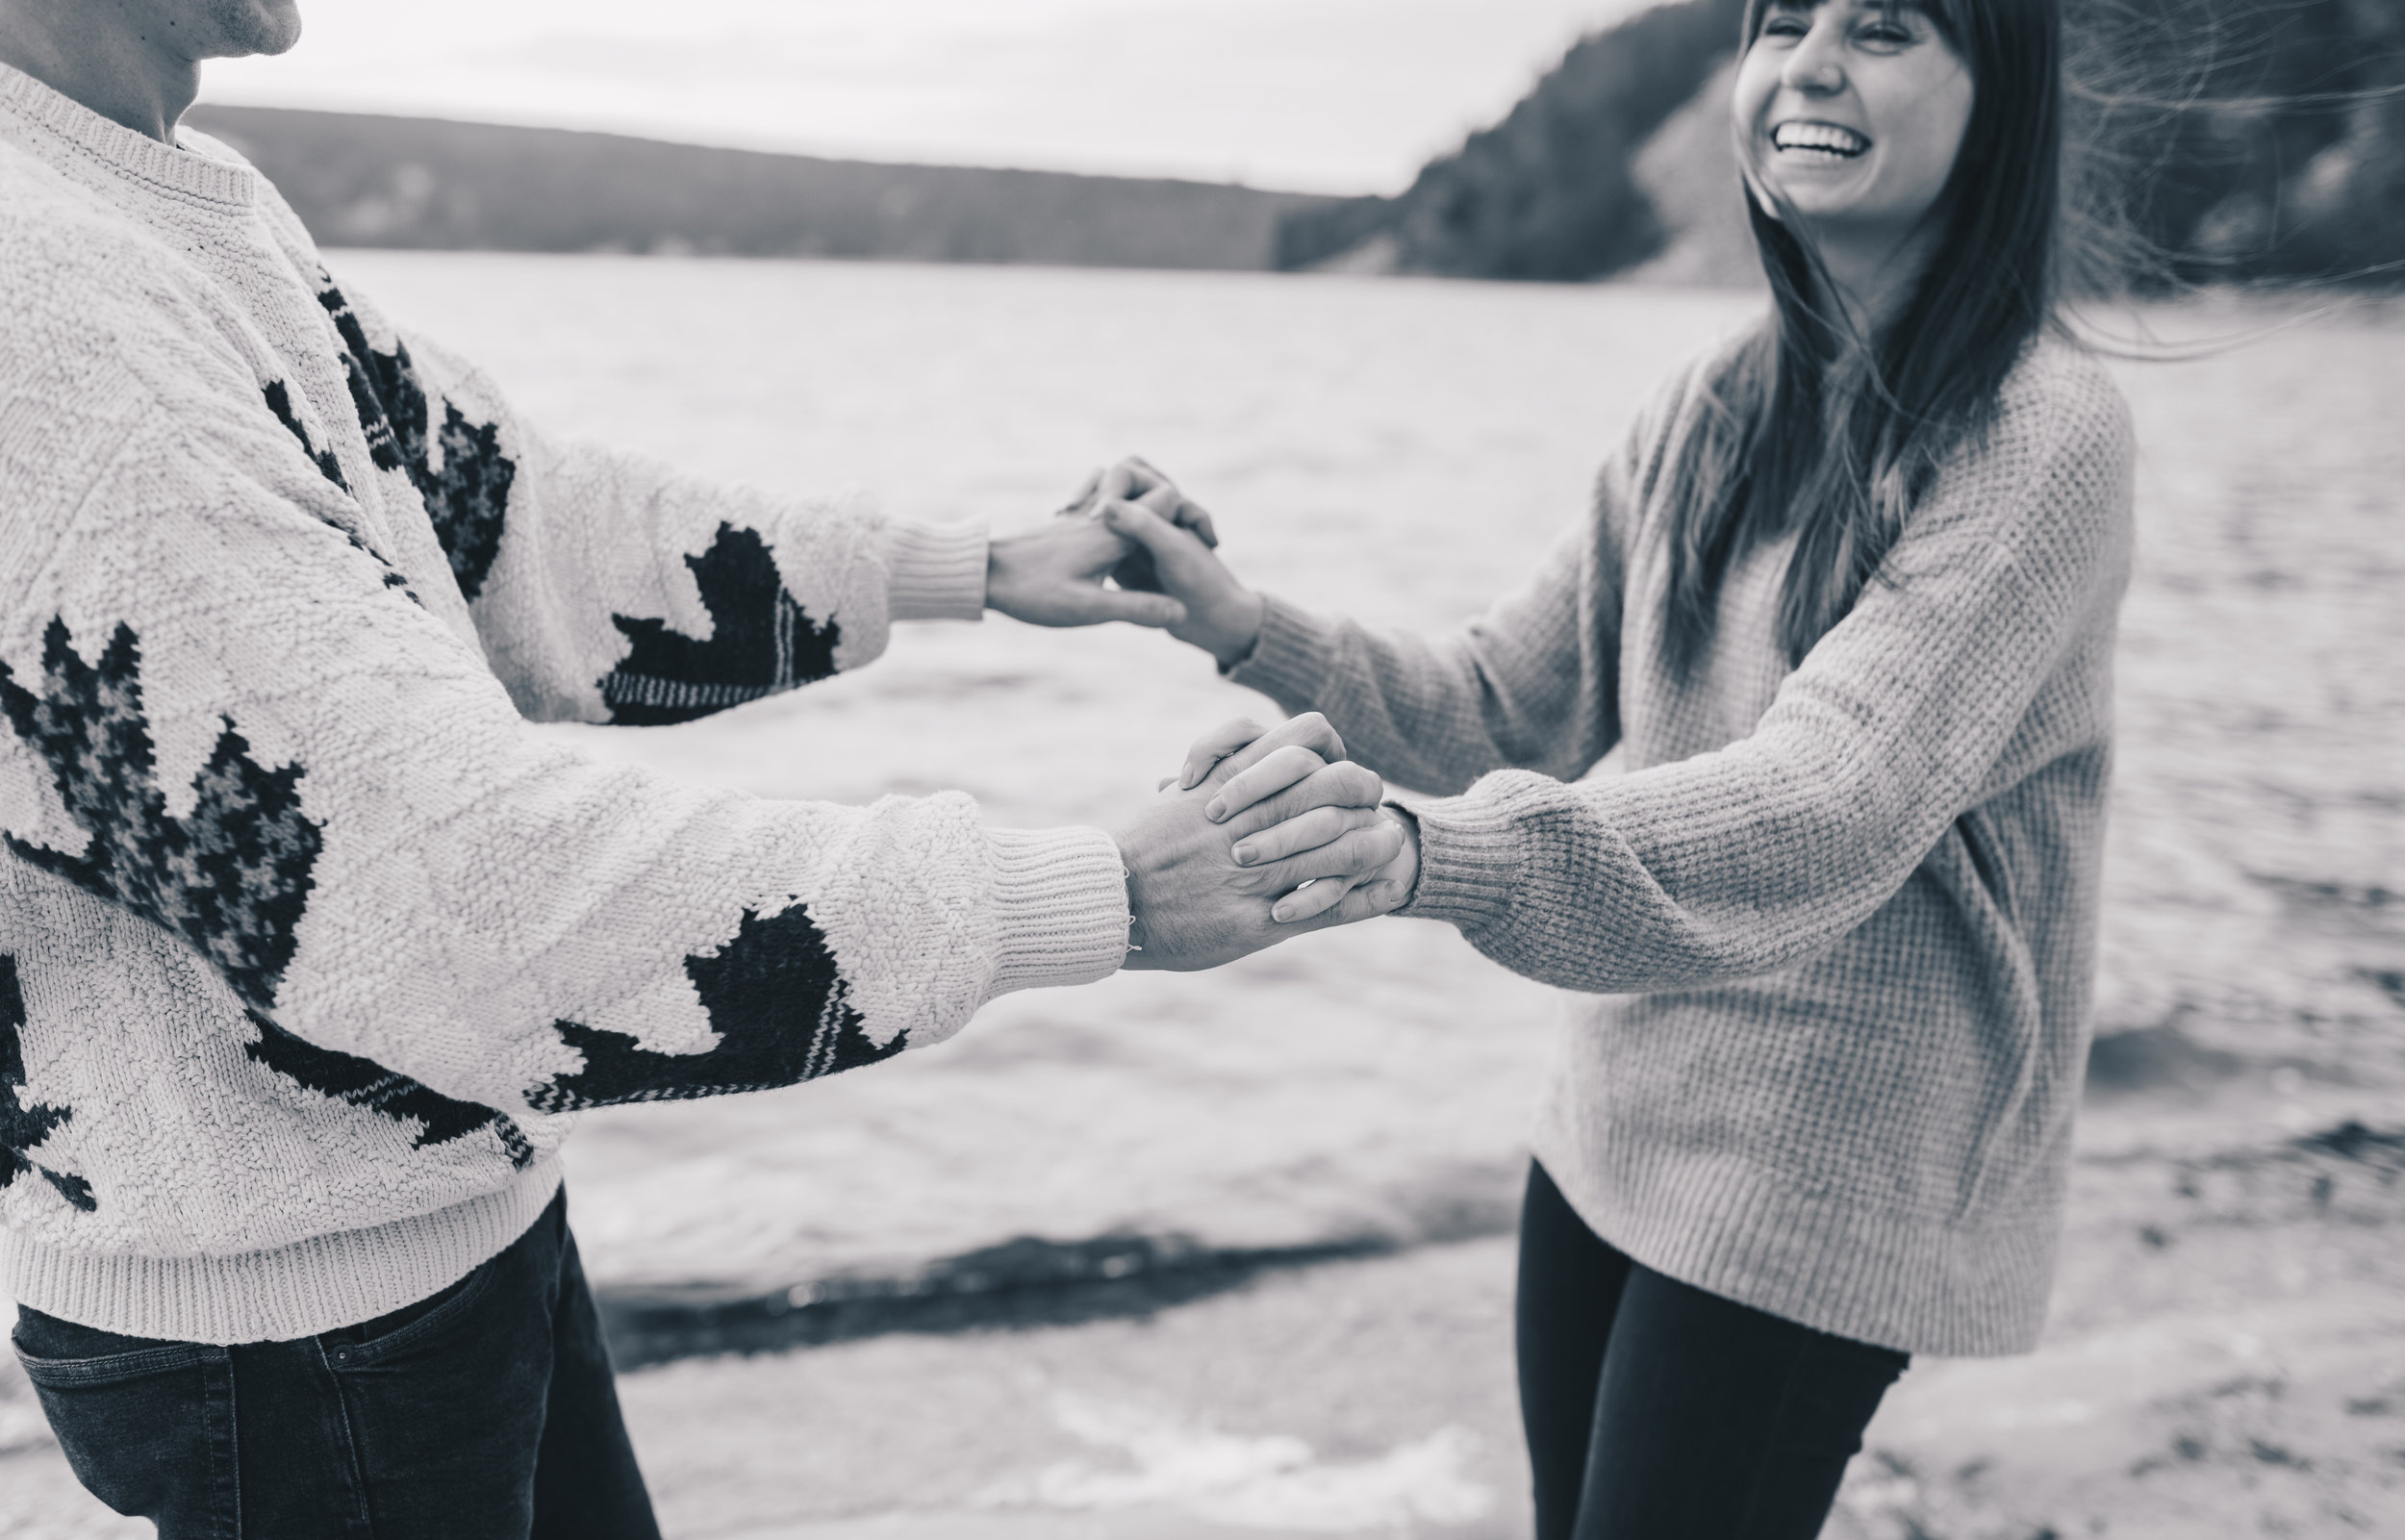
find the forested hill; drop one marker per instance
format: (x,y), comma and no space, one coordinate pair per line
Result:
(373,180)
(1551,191)
(2244,139)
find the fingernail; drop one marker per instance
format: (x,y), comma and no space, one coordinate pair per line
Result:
(1281,913)
(1215,809)
(1244,854)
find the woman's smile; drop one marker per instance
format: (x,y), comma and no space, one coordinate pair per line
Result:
(1807,142)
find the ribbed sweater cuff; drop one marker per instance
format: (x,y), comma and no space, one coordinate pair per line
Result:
(1289,660)
(1062,894)
(1469,863)
(935,572)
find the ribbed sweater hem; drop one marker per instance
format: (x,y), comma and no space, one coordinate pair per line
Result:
(1062,894)
(275,1296)
(935,572)
(1719,1223)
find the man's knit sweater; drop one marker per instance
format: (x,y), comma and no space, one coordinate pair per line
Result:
(309,949)
(1842,917)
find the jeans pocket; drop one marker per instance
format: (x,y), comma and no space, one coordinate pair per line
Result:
(139,1364)
(446,1402)
(148,1429)
(413,1327)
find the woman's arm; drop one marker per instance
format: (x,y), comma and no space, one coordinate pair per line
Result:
(1533,683)
(1741,861)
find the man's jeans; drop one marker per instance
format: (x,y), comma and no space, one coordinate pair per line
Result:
(485,1411)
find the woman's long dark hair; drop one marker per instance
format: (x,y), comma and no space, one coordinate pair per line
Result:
(1814,428)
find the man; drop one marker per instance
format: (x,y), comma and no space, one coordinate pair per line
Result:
(310,951)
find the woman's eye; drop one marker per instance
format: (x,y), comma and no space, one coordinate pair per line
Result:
(1888,35)
(1783,26)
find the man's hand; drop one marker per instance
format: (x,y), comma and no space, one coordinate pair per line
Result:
(1052,575)
(1205,892)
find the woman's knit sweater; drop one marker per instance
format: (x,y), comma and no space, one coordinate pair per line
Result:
(1837,921)
(309,949)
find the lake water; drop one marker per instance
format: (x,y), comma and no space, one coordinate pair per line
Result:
(1400,451)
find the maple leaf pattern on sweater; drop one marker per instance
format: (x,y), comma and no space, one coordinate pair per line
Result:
(279,398)
(467,498)
(23,1126)
(280,402)
(777,1003)
(232,879)
(366,1083)
(761,641)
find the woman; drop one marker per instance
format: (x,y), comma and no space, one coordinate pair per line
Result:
(1846,603)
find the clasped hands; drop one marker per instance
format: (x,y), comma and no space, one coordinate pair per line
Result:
(1259,837)
(1263,834)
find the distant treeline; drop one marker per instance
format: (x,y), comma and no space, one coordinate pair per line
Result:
(2236,140)
(1551,191)
(373,181)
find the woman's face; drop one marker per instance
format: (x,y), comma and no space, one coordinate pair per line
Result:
(1853,113)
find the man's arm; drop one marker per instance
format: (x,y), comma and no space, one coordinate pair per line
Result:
(223,721)
(607,588)
(222,715)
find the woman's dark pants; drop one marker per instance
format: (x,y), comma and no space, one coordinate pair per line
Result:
(487,1411)
(1657,1411)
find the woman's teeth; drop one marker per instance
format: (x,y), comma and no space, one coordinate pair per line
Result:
(1821,139)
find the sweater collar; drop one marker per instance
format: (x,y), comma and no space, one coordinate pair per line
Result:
(175,168)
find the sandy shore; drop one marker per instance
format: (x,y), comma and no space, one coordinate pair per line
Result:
(2227,1359)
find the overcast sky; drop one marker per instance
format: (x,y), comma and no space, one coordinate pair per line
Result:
(1336,96)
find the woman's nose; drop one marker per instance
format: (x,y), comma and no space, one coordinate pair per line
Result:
(1817,65)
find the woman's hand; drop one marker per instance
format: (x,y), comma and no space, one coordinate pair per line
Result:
(1206,891)
(1219,615)
(1263,802)
(1136,479)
